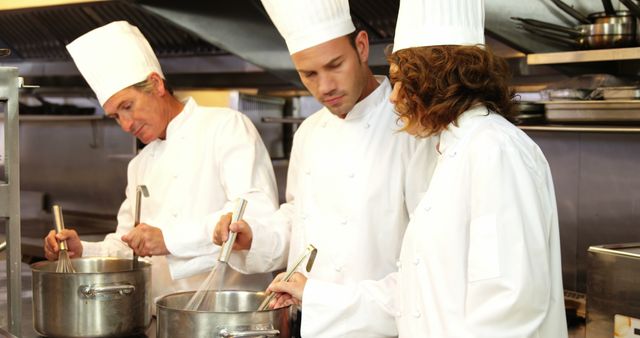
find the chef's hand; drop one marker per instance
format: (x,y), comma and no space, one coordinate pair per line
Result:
(52,248)
(146,240)
(244,235)
(287,293)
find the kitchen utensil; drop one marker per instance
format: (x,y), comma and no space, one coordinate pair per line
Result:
(571,11)
(140,191)
(233,315)
(225,251)
(608,7)
(593,36)
(632,6)
(203,298)
(593,111)
(619,93)
(309,252)
(104,298)
(64,262)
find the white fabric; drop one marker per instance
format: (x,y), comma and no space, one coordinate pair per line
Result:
(351,183)
(113,57)
(307,23)
(424,23)
(211,157)
(481,255)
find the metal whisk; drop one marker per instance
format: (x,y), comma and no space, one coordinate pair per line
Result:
(64,262)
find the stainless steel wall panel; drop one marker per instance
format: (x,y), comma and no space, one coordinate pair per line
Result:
(597,190)
(563,154)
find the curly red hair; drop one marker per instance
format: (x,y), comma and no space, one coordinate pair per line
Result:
(439,83)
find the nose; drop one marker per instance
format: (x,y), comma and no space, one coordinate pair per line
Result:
(395,93)
(126,123)
(326,84)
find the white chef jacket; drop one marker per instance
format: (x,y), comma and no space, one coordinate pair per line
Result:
(210,157)
(350,185)
(481,255)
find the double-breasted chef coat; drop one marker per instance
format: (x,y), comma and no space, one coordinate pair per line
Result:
(350,186)
(480,257)
(210,157)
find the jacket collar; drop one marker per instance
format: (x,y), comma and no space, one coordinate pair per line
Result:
(180,119)
(377,97)
(455,131)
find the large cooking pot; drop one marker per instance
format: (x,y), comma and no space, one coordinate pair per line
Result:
(104,298)
(234,315)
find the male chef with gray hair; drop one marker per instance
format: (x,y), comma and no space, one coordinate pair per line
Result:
(197,161)
(349,187)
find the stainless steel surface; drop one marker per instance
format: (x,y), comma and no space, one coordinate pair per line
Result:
(614,54)
(593,111)
(613,287)
(583,129)
(59,223)
(258,108)
(310,253)
(234,311)
(141,190)
(93,154)
(227,246)
(596,184)
(10,192)
(620,93)
(104,298)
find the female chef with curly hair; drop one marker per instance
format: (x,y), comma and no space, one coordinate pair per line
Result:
(481,254)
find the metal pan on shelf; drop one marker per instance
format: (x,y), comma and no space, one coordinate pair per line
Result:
(626,111)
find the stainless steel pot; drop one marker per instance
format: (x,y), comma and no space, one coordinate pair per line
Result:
(234,315)
(104,298)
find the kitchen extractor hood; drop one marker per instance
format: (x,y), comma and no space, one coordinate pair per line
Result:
(232,43)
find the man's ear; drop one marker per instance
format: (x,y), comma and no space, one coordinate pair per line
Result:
(158,83)
(362,46)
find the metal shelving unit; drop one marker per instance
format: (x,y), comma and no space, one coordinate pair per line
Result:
(10,194)
(596,55)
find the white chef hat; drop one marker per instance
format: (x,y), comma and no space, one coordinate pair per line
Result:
(439,22)
(308,23)
(113,57)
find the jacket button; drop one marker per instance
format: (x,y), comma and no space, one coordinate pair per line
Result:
(398,314)
(175,215)
(417,314)
(343,222)
(427,208)
(416,261)
(307,172)
(352,175)
(338,268)
(367,125)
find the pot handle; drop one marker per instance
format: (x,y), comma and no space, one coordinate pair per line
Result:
(94,291)
(224,333)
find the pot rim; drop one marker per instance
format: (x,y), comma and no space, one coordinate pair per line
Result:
(167,308)
(38,266)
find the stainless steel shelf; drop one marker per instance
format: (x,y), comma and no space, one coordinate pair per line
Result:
(10,195)
(613,54)
(59,118)
(284,120)
(583,129)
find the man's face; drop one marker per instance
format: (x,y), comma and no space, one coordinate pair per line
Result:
(139,113)
(334,72)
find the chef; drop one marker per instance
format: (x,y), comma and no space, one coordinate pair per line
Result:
(197,161)
(481,255)
(353,177)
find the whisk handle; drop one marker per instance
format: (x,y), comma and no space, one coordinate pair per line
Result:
(225,252)
(59,223)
